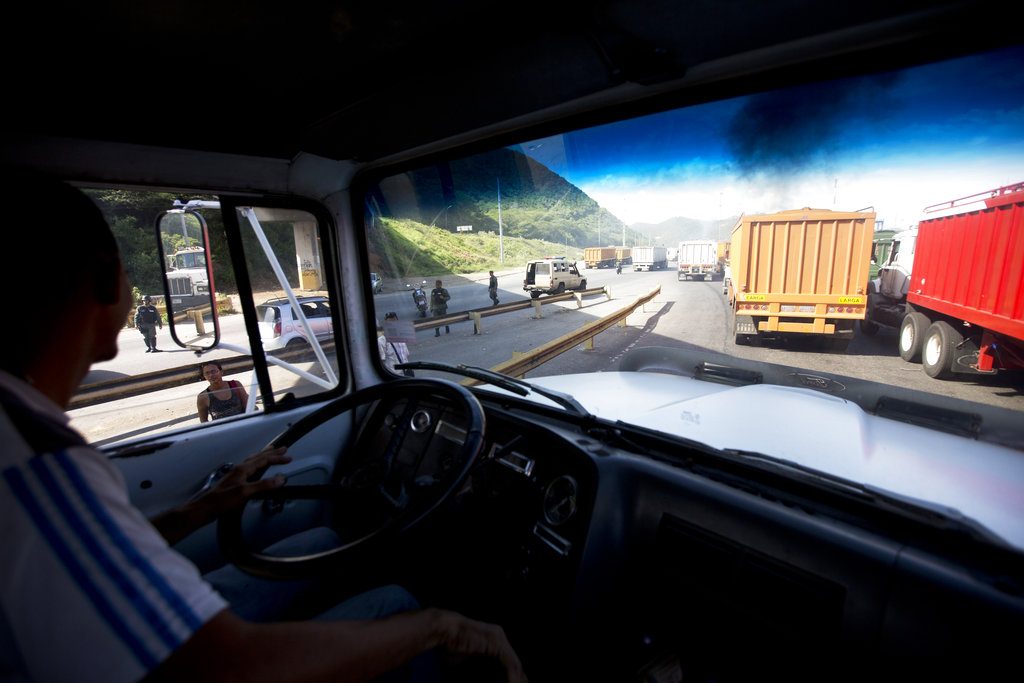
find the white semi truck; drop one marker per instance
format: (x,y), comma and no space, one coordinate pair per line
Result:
(698,258)
(650,258)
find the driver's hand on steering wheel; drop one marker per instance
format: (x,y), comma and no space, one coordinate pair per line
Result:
(244,479)
(238,484)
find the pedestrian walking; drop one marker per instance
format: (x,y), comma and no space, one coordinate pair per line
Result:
(492,289)
(439,298)
(147,318)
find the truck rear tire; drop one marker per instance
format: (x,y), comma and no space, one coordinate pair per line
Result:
(534,294)
(939,349)
(912,334)
(868,328)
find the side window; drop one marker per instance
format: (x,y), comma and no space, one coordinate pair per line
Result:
(153,385)
(287,269)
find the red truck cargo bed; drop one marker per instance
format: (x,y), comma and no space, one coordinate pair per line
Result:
(970,265)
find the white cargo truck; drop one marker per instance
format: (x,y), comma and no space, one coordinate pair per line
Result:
(698,258)
(650,258)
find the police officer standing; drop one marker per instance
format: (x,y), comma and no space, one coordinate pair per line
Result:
(147,318)
(439,297)
(492,289)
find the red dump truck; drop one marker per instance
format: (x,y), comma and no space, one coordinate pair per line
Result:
(954,286)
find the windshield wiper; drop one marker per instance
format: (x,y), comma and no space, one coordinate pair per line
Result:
(516,386)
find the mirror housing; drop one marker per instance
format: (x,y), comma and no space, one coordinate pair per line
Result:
(190,296)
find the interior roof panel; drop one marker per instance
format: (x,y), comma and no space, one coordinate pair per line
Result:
(367,79)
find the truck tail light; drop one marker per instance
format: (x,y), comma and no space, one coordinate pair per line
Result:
(277,329)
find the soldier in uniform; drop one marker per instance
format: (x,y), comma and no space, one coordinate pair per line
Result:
(147,318)
(492,289)
(439,297)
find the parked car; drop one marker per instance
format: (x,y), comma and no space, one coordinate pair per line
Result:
(280,326)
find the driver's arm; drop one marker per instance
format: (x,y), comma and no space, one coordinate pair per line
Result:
(228,648)
(241,482)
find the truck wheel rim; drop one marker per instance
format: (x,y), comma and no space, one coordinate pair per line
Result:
(907,338)
(932,350)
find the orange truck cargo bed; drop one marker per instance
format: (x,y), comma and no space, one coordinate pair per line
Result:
(802,271)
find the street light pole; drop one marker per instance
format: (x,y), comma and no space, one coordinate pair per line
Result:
(501,236)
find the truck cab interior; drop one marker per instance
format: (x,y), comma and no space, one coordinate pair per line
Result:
(607,550)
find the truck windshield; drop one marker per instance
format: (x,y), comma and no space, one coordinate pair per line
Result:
(742,226)
(190,260)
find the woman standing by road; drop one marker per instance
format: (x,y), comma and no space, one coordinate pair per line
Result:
(220,399)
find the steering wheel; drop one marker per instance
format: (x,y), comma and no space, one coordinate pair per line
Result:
(415,447)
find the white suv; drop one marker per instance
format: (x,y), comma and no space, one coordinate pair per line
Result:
(552,276)
(281,328)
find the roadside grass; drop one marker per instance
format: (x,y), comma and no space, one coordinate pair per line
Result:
(402,248)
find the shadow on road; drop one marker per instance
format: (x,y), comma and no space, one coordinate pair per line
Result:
(94,376)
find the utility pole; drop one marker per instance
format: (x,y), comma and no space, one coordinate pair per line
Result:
(501,236)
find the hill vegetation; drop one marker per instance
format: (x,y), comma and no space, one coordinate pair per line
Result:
(402,248)
(541,214)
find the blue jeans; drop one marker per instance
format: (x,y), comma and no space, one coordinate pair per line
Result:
(264,600)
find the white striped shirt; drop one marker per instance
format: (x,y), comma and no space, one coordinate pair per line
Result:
(89,590)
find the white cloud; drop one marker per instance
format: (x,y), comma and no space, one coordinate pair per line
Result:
(898,189)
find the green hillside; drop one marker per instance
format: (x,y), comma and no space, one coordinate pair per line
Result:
(402,248)
(539,207)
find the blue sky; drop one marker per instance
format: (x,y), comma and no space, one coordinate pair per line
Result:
(895,141)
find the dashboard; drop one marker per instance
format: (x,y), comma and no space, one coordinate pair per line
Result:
(615,556)
(609,554)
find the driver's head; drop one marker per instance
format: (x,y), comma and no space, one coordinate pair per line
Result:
(60,229)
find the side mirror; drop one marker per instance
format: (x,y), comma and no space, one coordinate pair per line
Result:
(190,296)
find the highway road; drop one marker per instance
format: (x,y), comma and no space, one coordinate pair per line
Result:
(686,314)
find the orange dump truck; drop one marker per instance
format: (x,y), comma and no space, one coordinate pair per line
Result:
(800,272)
(599,257)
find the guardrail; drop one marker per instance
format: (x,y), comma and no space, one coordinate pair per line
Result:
(521,363)
(135,385)
(477,314)
(126,387)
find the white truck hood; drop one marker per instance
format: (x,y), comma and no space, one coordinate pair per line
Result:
(954,474)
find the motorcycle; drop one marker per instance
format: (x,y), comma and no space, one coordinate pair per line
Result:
(419,297)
